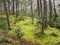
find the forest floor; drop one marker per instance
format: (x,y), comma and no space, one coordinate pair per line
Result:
(9,37)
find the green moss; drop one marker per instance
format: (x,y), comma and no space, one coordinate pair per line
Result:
(30,29)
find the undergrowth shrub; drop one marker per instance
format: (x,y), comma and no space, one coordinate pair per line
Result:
(58,22)
(40,35)
(3,25)
(2,39)
(18,32)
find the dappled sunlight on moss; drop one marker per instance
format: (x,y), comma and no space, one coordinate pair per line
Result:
(30,29)
(50,30)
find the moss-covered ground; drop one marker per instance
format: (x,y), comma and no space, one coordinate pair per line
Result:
(9,37)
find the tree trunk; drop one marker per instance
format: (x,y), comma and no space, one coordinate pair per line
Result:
(7,14)
(13,7)
(50,16)
(9,6)
(32,12)
(38,7)
(55,13)
(17,8)
(44,18)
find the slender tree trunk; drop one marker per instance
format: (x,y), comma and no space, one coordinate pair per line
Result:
(25,7)
(59,10)
(38,7)
(41,8)
(13,7)
(9,6)
(44,19)
(32,12)
(41,15)
(55,13)
(17,8)
(1,8)
(50,16)
(7,15)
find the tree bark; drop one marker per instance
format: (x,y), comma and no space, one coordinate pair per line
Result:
(38,7)
(55,13)
(50,16)
(44,18)
(32,12)
(17,8)
(13,7)
(7,14)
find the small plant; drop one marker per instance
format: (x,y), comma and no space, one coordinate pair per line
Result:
(40,35)
(3,25)
(2,39)
(18,31)
(58,22)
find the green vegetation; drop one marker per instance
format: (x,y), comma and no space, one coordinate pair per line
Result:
(28,31)
(29,22)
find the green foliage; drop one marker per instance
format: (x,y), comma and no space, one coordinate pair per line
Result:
(51,36)
(39,35)
(31,32)
(18,31)
(2,39)
(58,22)
(3,25)
(22,12)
